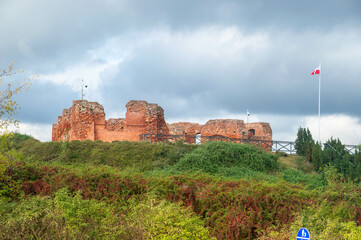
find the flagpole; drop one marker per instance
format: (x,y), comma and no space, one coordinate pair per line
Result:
(319,106)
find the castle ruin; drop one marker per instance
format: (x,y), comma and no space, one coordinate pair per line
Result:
(86,121)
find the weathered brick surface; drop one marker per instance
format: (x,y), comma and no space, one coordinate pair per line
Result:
(185,128)
(86,121)
(224,127)
(263,131)
(143,117)
(232,128)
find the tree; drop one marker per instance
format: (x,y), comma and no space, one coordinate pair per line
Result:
(317,156)
(8,108)
(356,164)
(304,143)
(336,154)
(334,151)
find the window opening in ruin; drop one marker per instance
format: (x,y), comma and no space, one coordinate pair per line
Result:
(198,138)
(251,132)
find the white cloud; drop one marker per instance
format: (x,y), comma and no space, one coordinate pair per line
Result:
(185,50)
(90,72)
(344,127)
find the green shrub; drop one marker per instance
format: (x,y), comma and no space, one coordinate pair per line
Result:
(64,217)
(29,219)
(69,216)
(86,218)
(165,220)
(215,156)
(329,221)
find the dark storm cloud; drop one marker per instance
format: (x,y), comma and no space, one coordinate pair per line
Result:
(44,102)
(272,79)
(186,79)
(48,35)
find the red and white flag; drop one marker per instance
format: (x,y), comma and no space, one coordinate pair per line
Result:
(317,70)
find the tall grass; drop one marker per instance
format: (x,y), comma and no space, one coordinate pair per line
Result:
(138,156)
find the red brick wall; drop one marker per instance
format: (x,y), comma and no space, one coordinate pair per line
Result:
(184,128)
(225,127)
(231,128)
(86,121)
(263,130)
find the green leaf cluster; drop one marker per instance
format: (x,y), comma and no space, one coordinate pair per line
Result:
(70,216)
(164,220)
(217,157)
(304,143)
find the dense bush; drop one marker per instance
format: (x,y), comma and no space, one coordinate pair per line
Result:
(336,215)
(166,220)
(69,216)
(215,157)
(232,209)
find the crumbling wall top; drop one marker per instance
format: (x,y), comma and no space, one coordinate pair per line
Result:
(226,127)
(86,120)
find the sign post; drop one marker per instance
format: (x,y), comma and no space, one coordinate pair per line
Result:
(303,234)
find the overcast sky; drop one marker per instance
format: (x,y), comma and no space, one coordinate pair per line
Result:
(199,60)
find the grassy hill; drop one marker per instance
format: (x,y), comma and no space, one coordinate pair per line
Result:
(139,190)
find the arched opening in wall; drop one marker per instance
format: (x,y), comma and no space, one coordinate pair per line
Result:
(198,138)
(251,132)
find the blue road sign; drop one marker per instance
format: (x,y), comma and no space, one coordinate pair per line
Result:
(303,234)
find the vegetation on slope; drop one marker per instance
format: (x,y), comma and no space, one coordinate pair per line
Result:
(136,156)
(95,190)
(214,157)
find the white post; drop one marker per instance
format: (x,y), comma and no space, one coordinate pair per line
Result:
(319,106)
(82,89)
